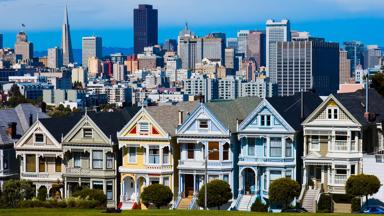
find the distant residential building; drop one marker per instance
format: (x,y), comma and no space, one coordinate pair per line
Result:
(230,58)
(91,47)
(118,94)
(66,43)
(55,58)
(305,65)
(94,67)
(23,47)
(132,64)
(55,97)
(344,68)
(355,52)
(201,86)
(262,88)
(31,91)
(275,31)
(118,57)
(360,73)
(149,60)
(59,79)
(228,88)
(119,72)
(373,56)
(145,27)
(79,75)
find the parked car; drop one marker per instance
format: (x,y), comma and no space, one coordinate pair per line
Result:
(296,210)
(373,210)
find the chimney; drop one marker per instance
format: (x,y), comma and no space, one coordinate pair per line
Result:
(30,120)
(11,130)
(181,117)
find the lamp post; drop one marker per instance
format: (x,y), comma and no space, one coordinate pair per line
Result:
(206,177)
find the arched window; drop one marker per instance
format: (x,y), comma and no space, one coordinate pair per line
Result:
(226,151)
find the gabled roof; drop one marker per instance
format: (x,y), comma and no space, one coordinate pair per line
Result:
(60,126)
(289,107)
(229,111)
(355,104)
(167,116)
(20,114)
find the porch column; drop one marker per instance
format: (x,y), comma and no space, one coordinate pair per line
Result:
(136,185)
(241,184)
(104,160)
(194,184)
(322,174)
(349,141)
(161,149)
(146,154)
(24,163)
(65,189)
(305,177)
(305,146)
(283,146)
(37,163)
(268,146)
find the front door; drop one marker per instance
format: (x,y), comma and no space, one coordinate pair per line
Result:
(188,185)
(249,181)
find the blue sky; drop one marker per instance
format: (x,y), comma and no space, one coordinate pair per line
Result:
(336,20)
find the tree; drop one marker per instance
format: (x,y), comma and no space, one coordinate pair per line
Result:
(15,191)
(157,195)
(283,191)
(362,185)
(259,206)
(218,194)
(14,91)
(378,82)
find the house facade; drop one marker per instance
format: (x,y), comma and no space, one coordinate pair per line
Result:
(270,138)
(208,144)
(147,143)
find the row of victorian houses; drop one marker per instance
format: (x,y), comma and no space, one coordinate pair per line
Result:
(248,142)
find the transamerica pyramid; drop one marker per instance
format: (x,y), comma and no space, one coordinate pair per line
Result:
(66,43)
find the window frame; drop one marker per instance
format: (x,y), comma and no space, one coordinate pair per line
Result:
(109,160)
(132,154)
(99,160)
(86,133)
(206,124)
(77,157)
(311,146)
(190,151)
(271,147)
(144,130)
(39,142)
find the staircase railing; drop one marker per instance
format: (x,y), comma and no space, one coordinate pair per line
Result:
(177,201)
(302,193)
(237,202)
(251,201)
(193,205)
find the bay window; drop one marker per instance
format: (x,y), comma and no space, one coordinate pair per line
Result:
(276,148)
(213,151)
(30,163)
(154,156)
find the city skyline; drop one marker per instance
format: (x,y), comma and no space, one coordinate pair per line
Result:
(346,20)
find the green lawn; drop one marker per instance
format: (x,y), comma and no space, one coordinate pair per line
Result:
(92,212)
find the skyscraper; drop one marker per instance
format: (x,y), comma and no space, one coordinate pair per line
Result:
(275,31)
(91,47)
(23,48)
(256,47)
(355,52)
(145,28)
(66,44)
(242,39)
(55,57)
(345,68)
(305,65)
(372,56)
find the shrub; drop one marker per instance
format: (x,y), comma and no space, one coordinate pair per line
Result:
(355,204)
(62,204)
(259,206)
(362,185)
(92,195)
(283,191)
(325,204)
(42,194)
(82,203)
(218,194)
(15,191)
(71,202)
(157,195)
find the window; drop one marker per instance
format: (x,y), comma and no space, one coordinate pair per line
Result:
(154,155)
(203,124)
(144,128)
(77,159)
(212,177)
(191,150)
(87,133)
(315,143)
(5,160)
(213,151)
(265,120)
(30,163)
(276,147)
(98,185)
(166,181)
(166,155)
(288,148)
(132,154)
(39,138)
(341,141)
(154,181)
(58,164)
(226,178)
(353,169)
(226,151)
(109,190)
(288,174)
(273,175)
(41,164)
(97,159)
(109,162)
(251,147)
(333,113)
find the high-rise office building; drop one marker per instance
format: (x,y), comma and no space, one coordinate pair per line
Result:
(23,47)
(1,41)
(256,47)
(170,45)
(213,47)
(305,65)
(275,31)
(355,52)
(232,43)
(55,58)
(345,68)
(66,44)
(145,27)
(242,39)
(372,56)
(91,47)
(230,58)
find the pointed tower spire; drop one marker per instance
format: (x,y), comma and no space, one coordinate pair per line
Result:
(66,44)
(66,22)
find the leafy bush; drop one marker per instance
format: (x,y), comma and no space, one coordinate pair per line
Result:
(15,191)
(325,204)
(71,202)
(157,195)
(259,206)
(362,185)
(62,204)
(42,194)
(355,204)
(87,204)
(283,191)
(92,195)
(218,194)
